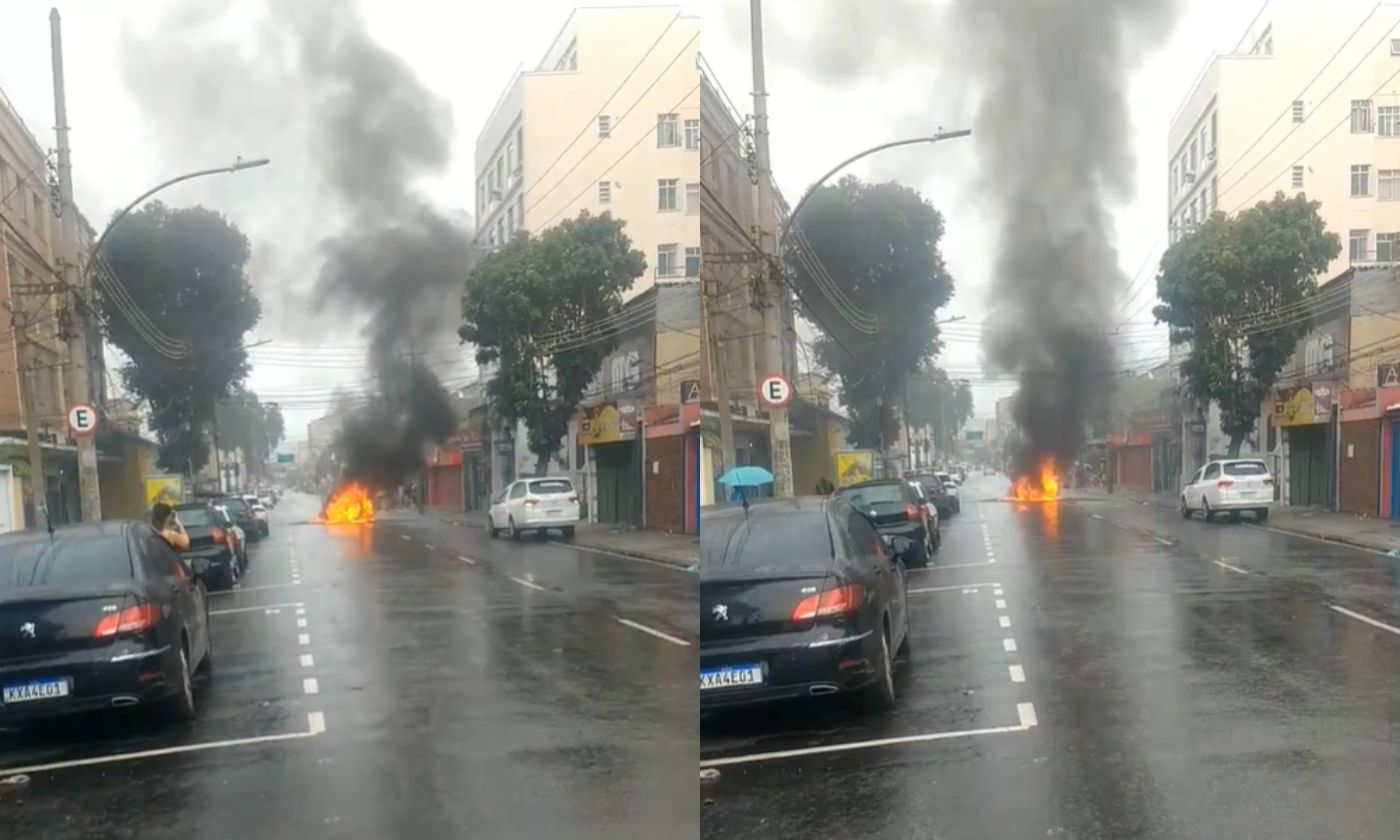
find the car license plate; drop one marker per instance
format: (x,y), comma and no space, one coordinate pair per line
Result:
(1247,494)
(555,512)
(731,677)
(36,690)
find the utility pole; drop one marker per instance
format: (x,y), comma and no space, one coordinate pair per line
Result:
(79,384)
(780,439)
(218,461)
(719,372)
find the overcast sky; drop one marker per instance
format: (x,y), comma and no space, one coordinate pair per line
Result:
(837,83)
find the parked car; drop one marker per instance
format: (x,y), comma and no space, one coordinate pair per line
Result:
(1230,486)
(898,509)
(535,504)
(243,516)
(211,544)
(936,491)
(799,597)
(238,537)
(259,514)
(951,487)
(97,616)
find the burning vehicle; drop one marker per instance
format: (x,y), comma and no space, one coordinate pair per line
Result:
(349,504)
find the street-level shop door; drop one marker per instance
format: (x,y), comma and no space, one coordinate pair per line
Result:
(1395,470)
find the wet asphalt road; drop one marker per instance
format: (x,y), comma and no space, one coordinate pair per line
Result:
(466,687)
(1183,680)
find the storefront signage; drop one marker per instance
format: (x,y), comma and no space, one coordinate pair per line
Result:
(599,424)
(1388,375)
(690,391)
(1304,406)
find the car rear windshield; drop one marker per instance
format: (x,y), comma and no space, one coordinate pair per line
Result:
(551,485)
(195,516)
(1246,468)
(864,497)
(235,506)
(61,562)
(930,483)
(763,542)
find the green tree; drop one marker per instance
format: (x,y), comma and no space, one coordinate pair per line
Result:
(945,405)
(879,244)
(184,272)
(537,309)
(1262,260)
(250,426)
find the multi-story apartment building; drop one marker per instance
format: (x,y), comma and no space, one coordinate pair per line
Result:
(1305,103)
(609,121)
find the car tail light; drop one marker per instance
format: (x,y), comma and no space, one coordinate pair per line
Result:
(130,620)
(843,600)
(573,500)
(219,536)
(911,512)
(1268,482)
(1225,483)
(531,502)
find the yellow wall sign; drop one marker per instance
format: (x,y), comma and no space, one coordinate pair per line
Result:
(165,488)
(853,467)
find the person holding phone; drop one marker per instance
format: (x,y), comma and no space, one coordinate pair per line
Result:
(166,523)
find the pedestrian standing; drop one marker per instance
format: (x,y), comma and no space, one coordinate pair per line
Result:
(166,523)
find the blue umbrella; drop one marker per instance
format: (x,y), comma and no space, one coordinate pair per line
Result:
(747,477)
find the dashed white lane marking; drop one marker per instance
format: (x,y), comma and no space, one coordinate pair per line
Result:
(253,589)
(1163,541)
(301,611)
(524,582)
(296,604)
(1004,621)
(466,559)
(310,686)
(303,638)
(653,632)
(301,622)
(952,566)
(997,591)
(430,546)
(964,587)
(1096,515)
(307,660)
(1018,674)
(1008,645)
(880,742)
(1222,564)
(1026,712)
(1371,621)
(316,725)
(404,537)
(1001,604)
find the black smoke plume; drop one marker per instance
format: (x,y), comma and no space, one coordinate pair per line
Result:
(350,129)
(1053,134)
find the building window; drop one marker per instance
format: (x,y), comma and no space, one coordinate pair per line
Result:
(1395,46)
(604,125)
(520,209)
(1357,241)
(519,149)
(692,134)
(501,231)
(1195,158)
(490,182)
(501,173)
(605,192)
(1388,121)
(1387,247)
(668,261)
(667,131)
(666,194)
(510,222)
(1297,177)
(510,157)
(1388,185)
(1174,179)
(481,200)
(1297,110)
(1214,135)
(1214,196)
(692,262)
(1360,116)
(1360,180)
(692,199)
(1205,143)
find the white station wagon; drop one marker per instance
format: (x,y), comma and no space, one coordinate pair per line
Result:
(1229,486)
(535,504)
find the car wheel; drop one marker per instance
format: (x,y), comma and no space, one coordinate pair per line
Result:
(1261,515)
(569,532)
(937,538)
(881,696)
(1185,511)
(182,704)
(541,535)
(1206,511)
(514,531)
(492,529)
(1234,516)
(918,558)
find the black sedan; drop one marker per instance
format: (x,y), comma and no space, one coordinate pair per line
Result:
(798,598)
(897,508)
(936,491)
(242,514)
(213,551)
(98,616)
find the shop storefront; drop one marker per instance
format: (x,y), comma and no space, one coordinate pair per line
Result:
(1305,417)
(1359,478)
(610,435)
(672,434)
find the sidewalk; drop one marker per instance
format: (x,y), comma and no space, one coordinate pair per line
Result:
(682,550)
(1371,533)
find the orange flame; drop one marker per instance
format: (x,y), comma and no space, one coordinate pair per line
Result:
(1048,490)
(350,505)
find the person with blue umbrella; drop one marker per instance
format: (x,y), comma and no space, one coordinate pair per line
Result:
(741,477)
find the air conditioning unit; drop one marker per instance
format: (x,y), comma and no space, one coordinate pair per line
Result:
(495,195)
(1189,177)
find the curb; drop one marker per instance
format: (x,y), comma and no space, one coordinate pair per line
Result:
(1350,542)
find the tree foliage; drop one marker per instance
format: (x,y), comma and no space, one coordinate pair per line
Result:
(564,282)
(250,426)
(945,405)
(879,244)
(185,271)
(1262,260)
